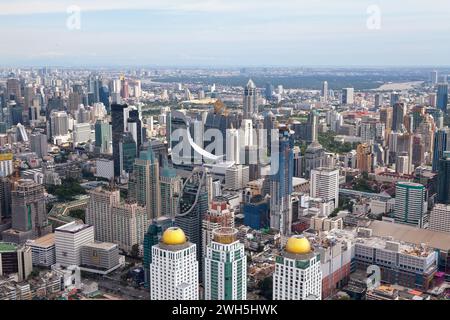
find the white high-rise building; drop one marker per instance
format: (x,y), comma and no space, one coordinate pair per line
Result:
(69,239)
(233,146)
(81,133)
(225,267)
(250,100)
(298,273)
(325,91)
(325,185)
(440,218)
(98,213)
(174,268)
(236,177)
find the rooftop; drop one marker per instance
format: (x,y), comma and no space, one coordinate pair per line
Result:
(7,247)
(46,241)
(101,245)
(72,227)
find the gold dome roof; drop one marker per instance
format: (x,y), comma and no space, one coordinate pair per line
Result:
(174,236)
(298,245)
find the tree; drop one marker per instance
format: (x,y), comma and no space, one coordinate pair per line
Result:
(135,250)
(266,288)
(78,214)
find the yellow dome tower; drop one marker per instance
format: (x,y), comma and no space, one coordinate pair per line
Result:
(298,245)
(173,236)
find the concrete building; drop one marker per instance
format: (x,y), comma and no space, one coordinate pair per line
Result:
(104,168)
(38,144)
(410,204)
(440,218)
(69,239)
(236,177)
(325,185)
(15,259)
(298,274)
(100,257)
(43,250)
(225,267)
(174,268)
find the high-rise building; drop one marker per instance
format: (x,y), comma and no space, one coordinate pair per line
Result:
(395,98)
(170,185)
(174,268)
(193,205)
(5,198)
(386,117)
(152,237)
(129,224)
(15,259)
(440,145)
(442,96)
(104,97)
(398,115)
(98,212)
(29,212)
(378,100)
(118,128)
(38,144)
(325,91)
(314,157)
(13,89)
(69,239)
(324,184)
(134,125)
(127,150)
(298,274)
(434,77)
(103,137)
(440,218)
(225,267)
(443,192)
(59,122)
(410,204)
(144,186)
(348,96)
(282,168)
(250,100)
(364,158)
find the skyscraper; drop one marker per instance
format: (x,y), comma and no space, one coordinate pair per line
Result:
(174,268)
(38,144)
(103,136)
(170,185)
(347,96)
(127,149)
(250,100)
(441,144)
(282,169)
(395,98)
(364,157)
(442,96)
(118,128)
(443,192)
(225,267)
(144,185)
(410,207)
(325,91)
(298,274)
(324,184)
(434,77)
(398,115)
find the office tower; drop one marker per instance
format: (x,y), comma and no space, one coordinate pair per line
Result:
(219,215)
(394,98)
(15,259)
(434,77)
(103,137)
(75,100)
(38,144)
(442,96)
(5,198)
(6,164)
(98,212)
(402,166)
(297,162)
(233,146)
(347,96)
(174,268)
(364,157)
(378,100)
(152,237)
(325,91)
(398,115)
(432,100)
(269,90)
(170,185)
(236,177)
(250,100)
(69,239)
(440,145)
(93,86)
(225,267)
(134,125)
(443,192)
(29,213)
(311,127)
(124,92)
(256,213)
(324,184)
(104,97)
(437,115)
(118,128)
(298,274)
(314,157)
(282,167)
(81,133)
(440,218)
(386,117)
(193,205)
(127,150)
(83,115)
(144,185)
(269,125)
(410,206)
(13,89)
(59,123)
(418,150)
(129,224)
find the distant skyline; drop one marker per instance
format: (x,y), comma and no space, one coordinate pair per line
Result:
(225,33)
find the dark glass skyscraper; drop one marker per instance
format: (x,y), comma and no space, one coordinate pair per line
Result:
(398,115)
(443,195)
(118,128)
(442,96)
(441,142)
(104,97)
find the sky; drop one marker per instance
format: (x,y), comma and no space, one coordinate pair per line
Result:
(225,33)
